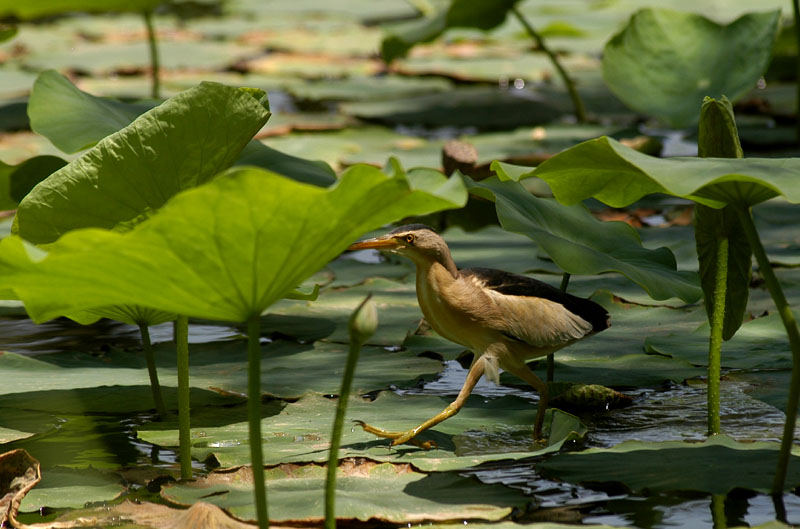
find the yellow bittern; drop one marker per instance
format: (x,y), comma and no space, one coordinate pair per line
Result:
(503,318)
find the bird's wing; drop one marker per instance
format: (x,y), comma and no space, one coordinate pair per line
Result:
(535,312)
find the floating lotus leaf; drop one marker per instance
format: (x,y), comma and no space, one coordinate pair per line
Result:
(492,430)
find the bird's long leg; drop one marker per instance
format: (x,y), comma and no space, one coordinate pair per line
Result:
(474,374)
(521,370)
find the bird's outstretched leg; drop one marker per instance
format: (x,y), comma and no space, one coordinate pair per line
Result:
(474,374)
(521,370)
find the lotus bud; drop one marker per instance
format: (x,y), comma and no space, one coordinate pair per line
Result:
(364,321)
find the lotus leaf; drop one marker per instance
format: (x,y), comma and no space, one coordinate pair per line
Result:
(133,172)
(365,491)
(639,63)
(580,244)
(73,119)
(225,250)
(484,430)
(715,466)
(17,180)
(615,174)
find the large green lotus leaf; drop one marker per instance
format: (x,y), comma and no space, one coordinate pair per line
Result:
(615,174)
(65,488)
(133,172)
(640,62)
(366,491)
(73,119)
(484,430)
(130,314)
(581,245)
(759,344)
(16,181)
(716,466)
(460,13)
(40,8)
(226,250)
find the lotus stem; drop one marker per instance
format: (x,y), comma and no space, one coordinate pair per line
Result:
(551,360)
(792,331)
(155,66)
(718,511)
(254,418)
(184,421)
(715,340)
(362,325)
(150,357)
(577,103)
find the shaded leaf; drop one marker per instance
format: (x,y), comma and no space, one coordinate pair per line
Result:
(484,15)
(67,488)
(17,180)
(639,63)
(580,244)
(257,154)
(758,344)
(673,466)
(75,120)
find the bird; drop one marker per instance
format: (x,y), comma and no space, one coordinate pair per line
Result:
(504,318)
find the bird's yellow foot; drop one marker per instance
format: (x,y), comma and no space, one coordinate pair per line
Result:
(397,437)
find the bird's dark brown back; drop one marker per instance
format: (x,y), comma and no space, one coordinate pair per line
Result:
(512,284)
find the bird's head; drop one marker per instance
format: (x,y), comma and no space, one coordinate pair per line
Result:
(416,241)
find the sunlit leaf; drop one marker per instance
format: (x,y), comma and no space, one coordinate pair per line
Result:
(615,174)
(365,491)
(640,62)
(226,250)
(580,244)
(484,430)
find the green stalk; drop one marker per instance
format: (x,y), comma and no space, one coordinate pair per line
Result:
(715,341)
(150,357)
(718,511)
(184,422)
(796,9)
(254,418)
(794,341)
(551,360)
(577,103)
(155,66)
(362,325)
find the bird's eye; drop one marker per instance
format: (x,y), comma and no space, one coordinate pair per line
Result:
(410,238)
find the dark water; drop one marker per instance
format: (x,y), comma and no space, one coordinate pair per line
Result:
(657,414)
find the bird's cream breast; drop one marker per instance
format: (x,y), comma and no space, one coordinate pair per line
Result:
(450,303)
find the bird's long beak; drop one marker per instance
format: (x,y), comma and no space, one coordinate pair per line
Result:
(378,243)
